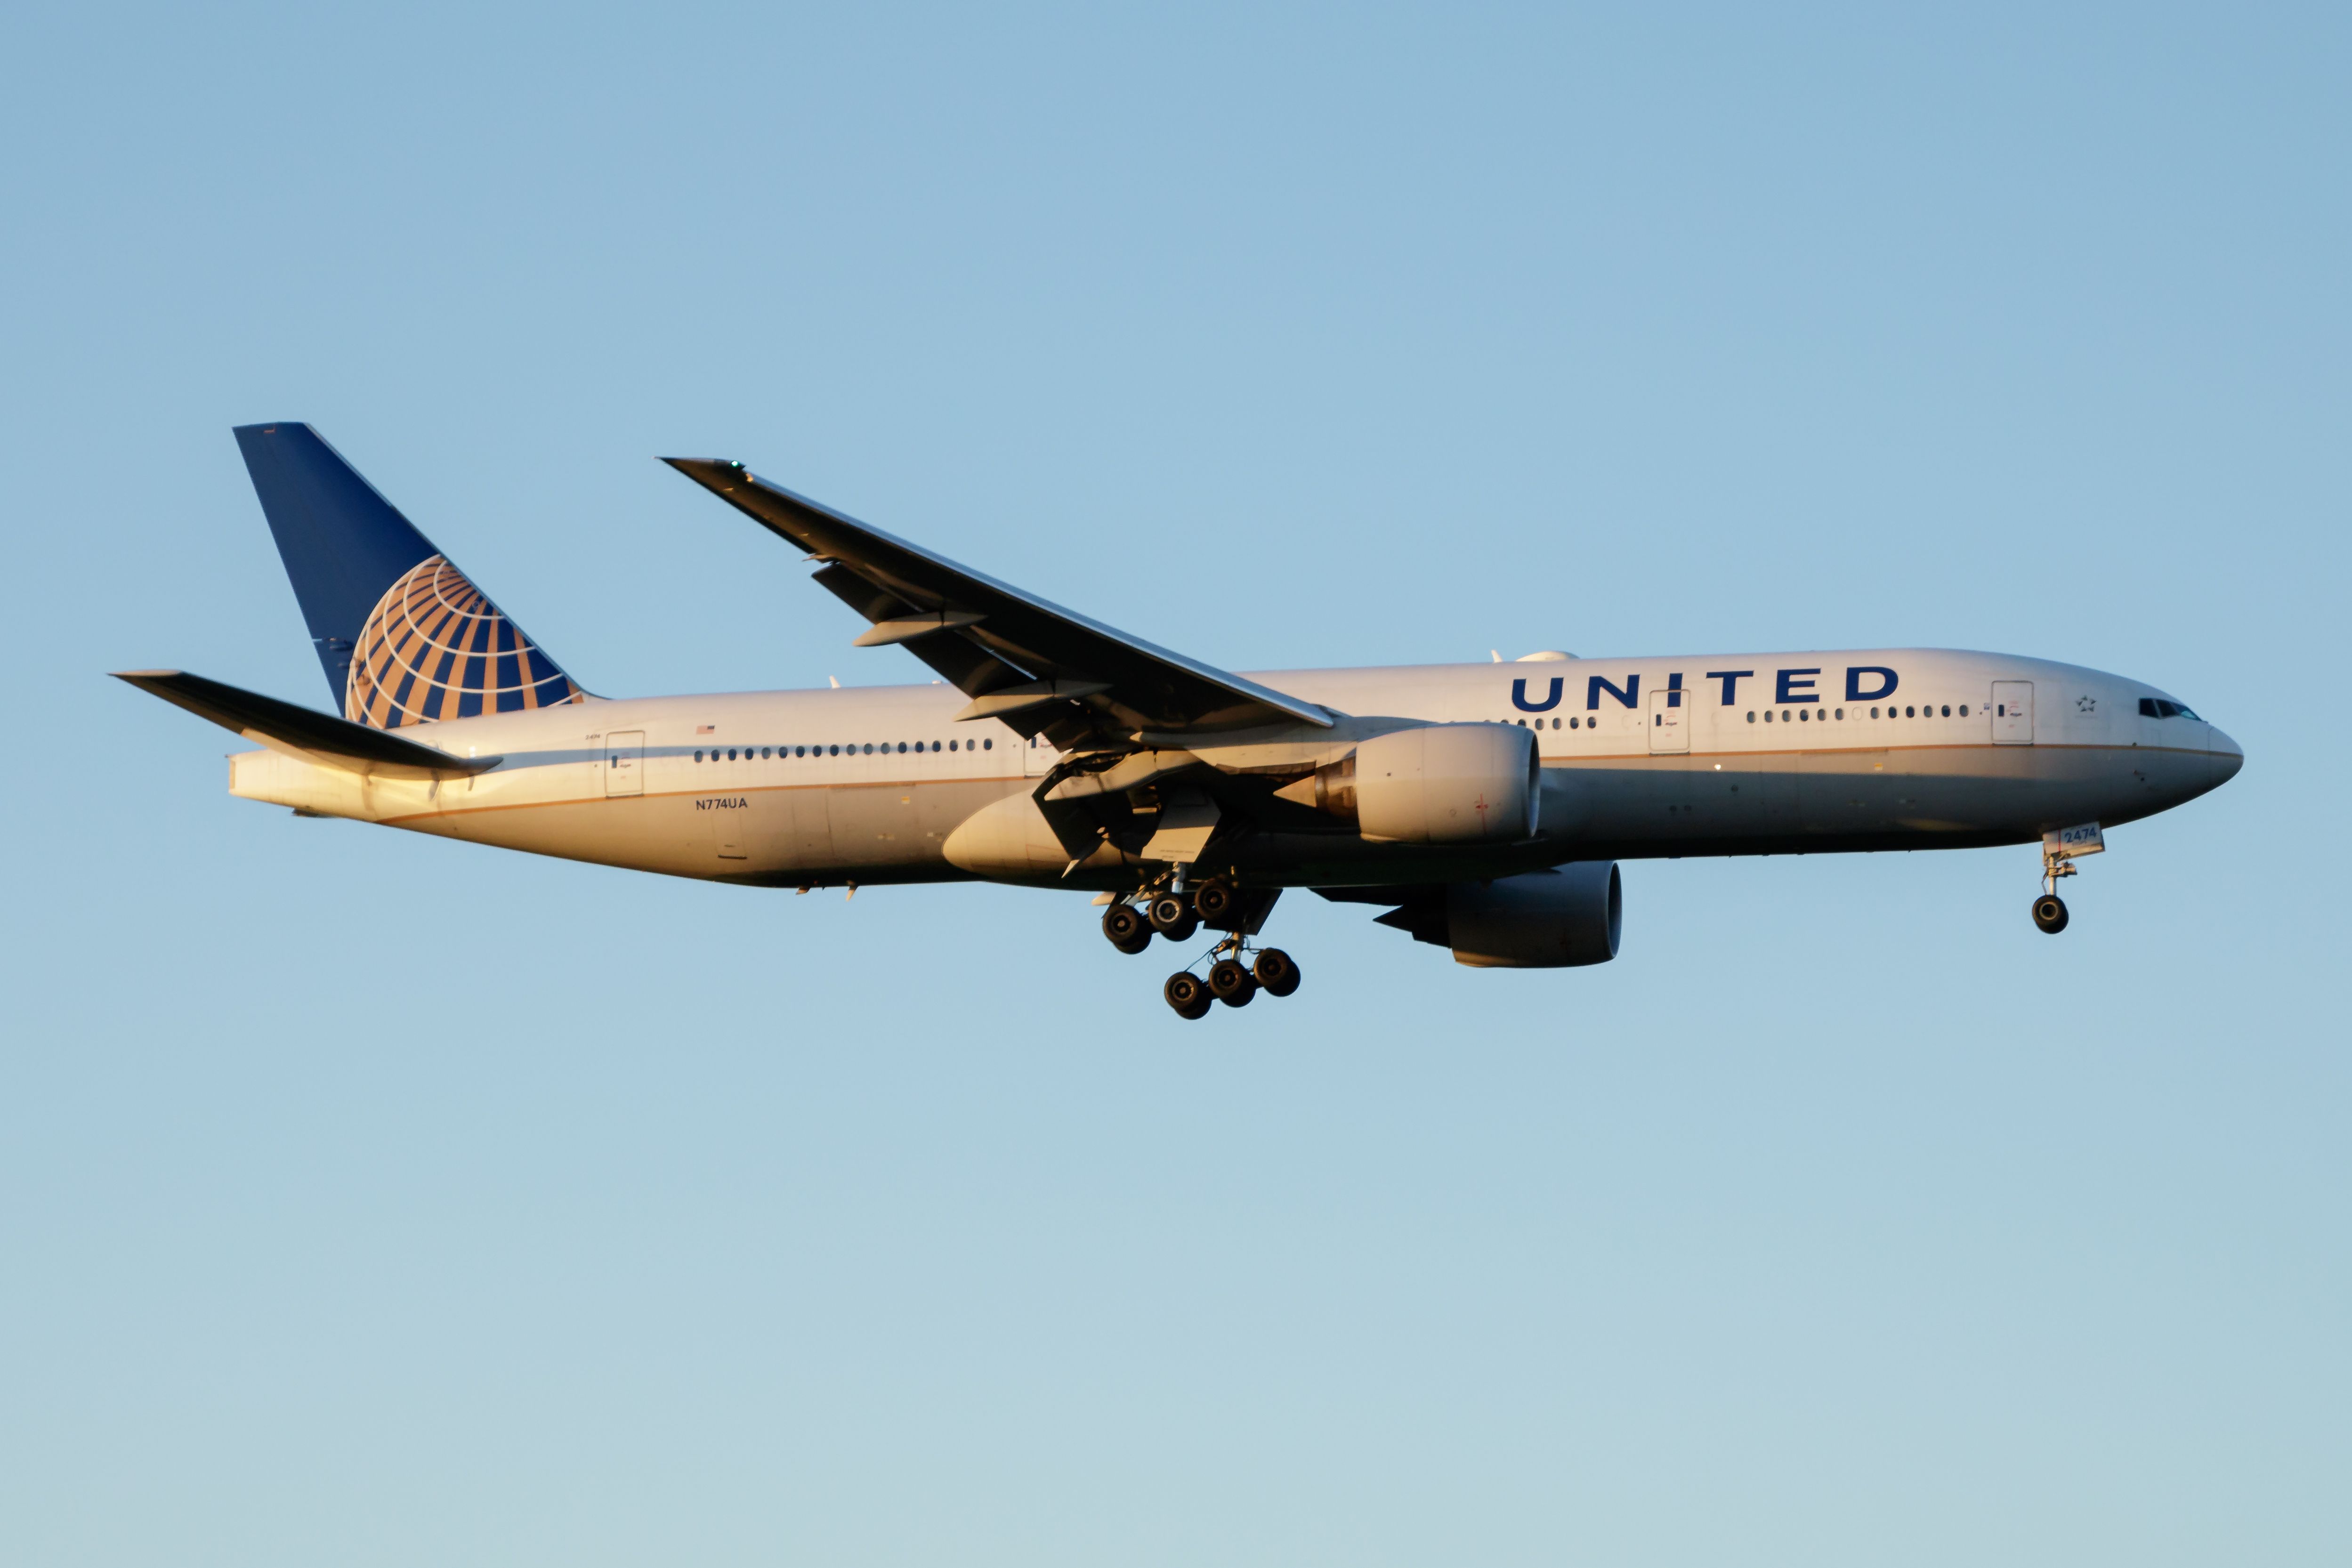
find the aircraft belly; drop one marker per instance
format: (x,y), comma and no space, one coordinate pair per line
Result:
(877,825)
(765,835)
(1728,800)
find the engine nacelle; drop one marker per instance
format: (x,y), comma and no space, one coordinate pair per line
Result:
(1539,919)
(1442,784)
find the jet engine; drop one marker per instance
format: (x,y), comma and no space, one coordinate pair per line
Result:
(1558,919)
(1435,783)
(1539,919)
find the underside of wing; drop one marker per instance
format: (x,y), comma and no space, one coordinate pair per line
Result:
(1036,666)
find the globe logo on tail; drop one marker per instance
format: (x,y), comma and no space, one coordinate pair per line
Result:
(435,647)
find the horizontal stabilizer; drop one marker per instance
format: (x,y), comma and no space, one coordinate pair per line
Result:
(304,732)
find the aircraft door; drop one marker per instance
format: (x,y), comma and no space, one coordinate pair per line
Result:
(812,826)
(2013,712)
(625,763)
(1038,757)
(1669,723)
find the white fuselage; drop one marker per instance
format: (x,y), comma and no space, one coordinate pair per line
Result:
(1722,754)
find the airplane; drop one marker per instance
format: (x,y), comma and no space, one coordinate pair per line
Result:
(1486,807)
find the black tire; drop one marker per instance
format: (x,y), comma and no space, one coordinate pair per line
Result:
(1230,984)
(1169,912)
(1187,995)
(1276,972)
(1126,929)
(1214,901)
(2049,913)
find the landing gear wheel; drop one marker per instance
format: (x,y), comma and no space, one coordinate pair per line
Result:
(1214,901)
(1276,972)
(1187,995)
(2049,913)
(1126,929)
(1172,916)
(1231,982)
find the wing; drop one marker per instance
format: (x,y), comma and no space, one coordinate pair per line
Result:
(1038,666)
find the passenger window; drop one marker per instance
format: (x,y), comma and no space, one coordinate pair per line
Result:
(1948,710)
(951,745)
(698,756)
(989,744)
(1841,712)
(1964,710)
(1910,713)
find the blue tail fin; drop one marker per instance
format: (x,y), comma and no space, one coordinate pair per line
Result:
(406,638)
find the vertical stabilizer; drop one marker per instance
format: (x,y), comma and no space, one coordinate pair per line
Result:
(404,636)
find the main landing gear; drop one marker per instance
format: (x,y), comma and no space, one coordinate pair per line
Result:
(1237,971)
(1230,981)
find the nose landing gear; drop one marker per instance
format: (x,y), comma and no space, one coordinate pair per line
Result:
(2060,851)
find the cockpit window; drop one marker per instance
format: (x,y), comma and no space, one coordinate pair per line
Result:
(2165,708)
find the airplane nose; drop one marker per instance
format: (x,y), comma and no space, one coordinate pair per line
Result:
(2227,755)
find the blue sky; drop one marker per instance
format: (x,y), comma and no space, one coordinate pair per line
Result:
(370,1199)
